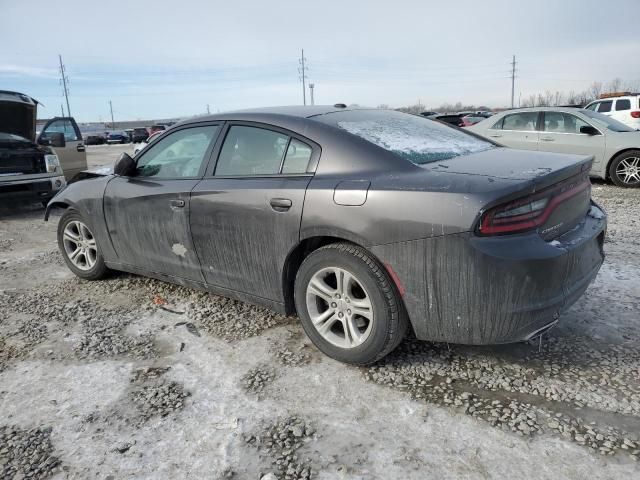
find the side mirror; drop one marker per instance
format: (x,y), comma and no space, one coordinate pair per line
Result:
(125,166)
(56,140)
(589,130)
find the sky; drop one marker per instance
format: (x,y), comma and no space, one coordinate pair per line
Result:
(164,59)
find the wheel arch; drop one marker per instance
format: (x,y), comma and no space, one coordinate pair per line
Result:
(308,245)
(57,204)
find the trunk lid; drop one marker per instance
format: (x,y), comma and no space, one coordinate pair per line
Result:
(548,192)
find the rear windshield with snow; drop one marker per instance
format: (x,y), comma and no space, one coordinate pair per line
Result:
(412,137)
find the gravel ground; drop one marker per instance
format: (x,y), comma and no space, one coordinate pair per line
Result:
(134,378)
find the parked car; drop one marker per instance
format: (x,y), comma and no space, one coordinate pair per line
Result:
(118,137)
(625,108)
(140,146)
(157,128)
(615,146)
(428,114)
(94,139)
(368,222)
(474,118)
(31,167)
(454,119)
(140,135)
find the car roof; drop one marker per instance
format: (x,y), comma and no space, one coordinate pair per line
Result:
(299,111)
(541,109)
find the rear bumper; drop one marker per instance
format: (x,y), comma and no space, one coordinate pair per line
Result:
(42,188)
(488,290)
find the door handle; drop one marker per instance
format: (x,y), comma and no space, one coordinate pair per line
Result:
(280,204)
(176,203)
(547,139)
(495,136)
(80,147)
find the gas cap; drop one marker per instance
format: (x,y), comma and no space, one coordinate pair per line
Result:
(351,193)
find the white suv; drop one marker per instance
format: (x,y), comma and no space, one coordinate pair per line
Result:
(624,108)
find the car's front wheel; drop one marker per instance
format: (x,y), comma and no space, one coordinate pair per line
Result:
(79,247)
(347,304)
(625,169)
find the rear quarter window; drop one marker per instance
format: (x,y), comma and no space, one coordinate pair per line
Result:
(411,137)
(624,104)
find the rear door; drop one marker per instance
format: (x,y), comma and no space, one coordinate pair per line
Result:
(147,214)
(516,130)
(561,134)
(246,213)
(73,156)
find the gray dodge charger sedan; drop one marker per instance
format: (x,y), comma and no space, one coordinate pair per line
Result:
(365,223)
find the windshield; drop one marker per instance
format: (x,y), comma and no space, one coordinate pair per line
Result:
(412,137)
(609,123)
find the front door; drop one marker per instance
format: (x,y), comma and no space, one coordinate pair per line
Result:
(148,214)
(73,157)
(245,217)
(560,133)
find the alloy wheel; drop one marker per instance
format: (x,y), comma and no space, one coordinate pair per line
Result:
(628,170)
(339,307)
(80,245)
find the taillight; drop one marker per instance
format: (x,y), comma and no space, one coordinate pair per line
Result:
(530,212)
(635,114)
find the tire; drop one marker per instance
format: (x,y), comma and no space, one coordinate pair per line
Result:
(71,224)
(374,334)
(624,170)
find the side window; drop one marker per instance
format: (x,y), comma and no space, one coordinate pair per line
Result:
(498,124)
(605,106)
(251,151)
(178,155)
(64,126)
(593,106)
(624,104)
(297,158)
(521,121)
(560,122)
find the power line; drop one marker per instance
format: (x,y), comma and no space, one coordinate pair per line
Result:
(65,80)
(302,70)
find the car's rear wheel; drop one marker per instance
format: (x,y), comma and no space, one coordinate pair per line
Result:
(625,169)
(347,304)
(79,247)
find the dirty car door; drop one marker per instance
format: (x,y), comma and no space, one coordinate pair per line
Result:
(73,156)
(245,218)
(148,214)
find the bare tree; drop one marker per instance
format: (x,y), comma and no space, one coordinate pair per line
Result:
(383,106)
(614,85)
(595,90)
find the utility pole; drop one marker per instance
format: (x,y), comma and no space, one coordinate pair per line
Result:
(303,70)
(311,87)
(513,80)
(113,124)
(208,111)
(65,87)
(62,110)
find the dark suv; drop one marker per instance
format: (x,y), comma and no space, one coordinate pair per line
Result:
(140,135)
